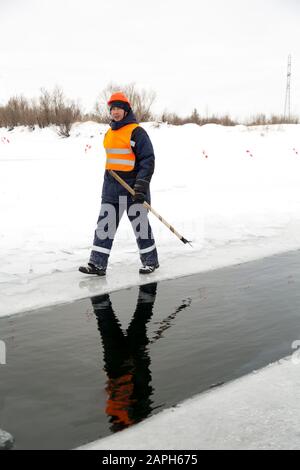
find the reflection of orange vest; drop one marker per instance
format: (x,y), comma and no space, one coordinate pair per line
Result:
(119,154)
(119,399)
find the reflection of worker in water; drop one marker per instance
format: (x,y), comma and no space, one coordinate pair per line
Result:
(126,358)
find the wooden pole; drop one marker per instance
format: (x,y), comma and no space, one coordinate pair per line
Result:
(145,204)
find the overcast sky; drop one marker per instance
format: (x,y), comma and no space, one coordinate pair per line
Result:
(216,55)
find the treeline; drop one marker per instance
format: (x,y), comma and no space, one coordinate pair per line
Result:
(53,108)
(50,108)
(226,120)
(263,120)
(195,118)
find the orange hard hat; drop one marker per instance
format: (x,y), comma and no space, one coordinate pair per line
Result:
(119,96)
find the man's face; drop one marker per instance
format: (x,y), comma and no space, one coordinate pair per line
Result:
(117,114)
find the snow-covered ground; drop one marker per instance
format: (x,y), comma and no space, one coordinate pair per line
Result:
(233,191)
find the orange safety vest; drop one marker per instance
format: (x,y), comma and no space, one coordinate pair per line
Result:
(117,144)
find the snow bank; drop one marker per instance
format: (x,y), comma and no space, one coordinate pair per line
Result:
(234,191)
(258,411)
(6,440)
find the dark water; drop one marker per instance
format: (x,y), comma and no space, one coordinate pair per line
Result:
(80,371)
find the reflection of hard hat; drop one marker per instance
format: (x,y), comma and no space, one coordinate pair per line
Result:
(120,100)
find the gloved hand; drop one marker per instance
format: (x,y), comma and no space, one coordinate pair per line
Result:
(140,188)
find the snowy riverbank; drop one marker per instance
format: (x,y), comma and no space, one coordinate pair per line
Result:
(258,411)
(234,191)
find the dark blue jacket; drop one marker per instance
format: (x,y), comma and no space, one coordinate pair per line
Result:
(144,164)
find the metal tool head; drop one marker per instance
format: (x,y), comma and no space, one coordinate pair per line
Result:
(184,240)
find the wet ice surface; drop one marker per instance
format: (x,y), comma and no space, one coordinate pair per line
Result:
(80,371)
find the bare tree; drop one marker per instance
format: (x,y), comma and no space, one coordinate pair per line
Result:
(67,116)
(44,111)
(15,109)
(55,108)
(141,101)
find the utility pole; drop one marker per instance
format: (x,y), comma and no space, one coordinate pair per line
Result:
(287,103)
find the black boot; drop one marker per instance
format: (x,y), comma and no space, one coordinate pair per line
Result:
(148,269)
(92,269)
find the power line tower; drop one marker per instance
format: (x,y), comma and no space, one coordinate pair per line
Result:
(287,103)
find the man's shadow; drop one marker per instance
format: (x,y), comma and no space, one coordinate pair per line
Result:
(126,359)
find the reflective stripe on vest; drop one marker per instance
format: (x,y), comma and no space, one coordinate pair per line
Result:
(117,144)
